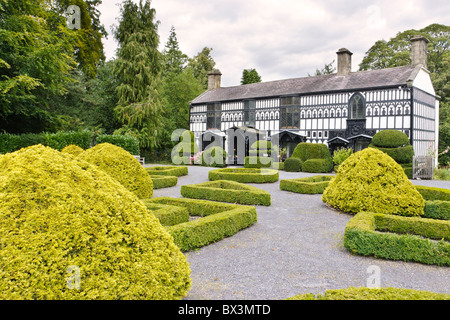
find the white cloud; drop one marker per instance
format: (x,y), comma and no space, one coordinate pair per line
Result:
(282,38)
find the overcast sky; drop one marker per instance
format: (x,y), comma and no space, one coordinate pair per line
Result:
(281,39)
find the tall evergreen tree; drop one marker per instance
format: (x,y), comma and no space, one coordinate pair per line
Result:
(174,59)
(250,76)
(200,65)
(138,67)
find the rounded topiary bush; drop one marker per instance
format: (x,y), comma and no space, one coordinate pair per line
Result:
(395,143)
(293,165)
(370,180)
(72,149)
(122,166)
(59,213)
(305,151)
(318,165)
(390,139)
(261,147)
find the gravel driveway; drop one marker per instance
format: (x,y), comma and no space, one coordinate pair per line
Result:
(295,247)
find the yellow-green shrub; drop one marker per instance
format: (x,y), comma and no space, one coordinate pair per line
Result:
(72,149)
(122,166)
(57,211)
(370,180)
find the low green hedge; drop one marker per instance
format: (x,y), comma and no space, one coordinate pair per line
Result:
(219,220)
(430,193)
(309,185)
(318,165)
(363,293)
(160,181)
(362,237)
(227,191)
(293,164)
(167,215)
(245,175)
(127,142)
(400,154)
(437,209)
(176,171)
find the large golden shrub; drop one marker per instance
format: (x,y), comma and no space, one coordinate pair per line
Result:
(73,149)
(122,166)
(57,211)
(370,180)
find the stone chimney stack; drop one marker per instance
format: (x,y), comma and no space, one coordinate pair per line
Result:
(344,62)
(214,78)
(419,47)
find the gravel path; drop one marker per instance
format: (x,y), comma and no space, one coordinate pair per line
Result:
(295,247)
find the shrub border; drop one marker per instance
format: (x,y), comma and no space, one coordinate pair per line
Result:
(361,237)
(245,175)
(176,171)
(310,185)
(219,220)
(160,182)
(235,192)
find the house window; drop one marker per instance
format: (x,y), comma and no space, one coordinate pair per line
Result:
(213,120)
(249,112)
(357,106)
(289,118)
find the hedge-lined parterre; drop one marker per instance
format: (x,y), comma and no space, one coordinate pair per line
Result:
(363,293)
(309,185)
(160,181)
(58,211)
(218,221)
(244,175)
(227,191)
(401,238)
(176,171)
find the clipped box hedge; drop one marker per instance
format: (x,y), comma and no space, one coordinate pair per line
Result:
(167,215)
(176,171)
(227,191)
(430,193)
(258,162)
(362,236)
(218,221)
(309,185)
(437,209)
(160,182)
(363,293)
(244,175)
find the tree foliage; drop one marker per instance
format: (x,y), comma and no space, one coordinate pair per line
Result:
(200,65)
(137,69)
(250,76)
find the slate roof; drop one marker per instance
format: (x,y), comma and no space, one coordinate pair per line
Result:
(355,80)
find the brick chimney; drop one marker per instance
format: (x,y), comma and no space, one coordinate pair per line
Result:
(344,62)
(214,78)
(419,47)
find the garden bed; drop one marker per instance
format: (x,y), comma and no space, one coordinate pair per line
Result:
(176,171)
(399,238)
(218,221)
(309,185)
(227,191)
(245,175)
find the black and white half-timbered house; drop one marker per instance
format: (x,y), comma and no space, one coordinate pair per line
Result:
(344,109)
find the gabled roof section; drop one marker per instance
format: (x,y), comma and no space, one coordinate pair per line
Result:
(356,80)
